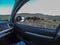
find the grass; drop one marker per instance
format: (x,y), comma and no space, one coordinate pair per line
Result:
(4,17)
(46,23)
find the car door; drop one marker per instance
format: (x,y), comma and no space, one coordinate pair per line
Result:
(27,31)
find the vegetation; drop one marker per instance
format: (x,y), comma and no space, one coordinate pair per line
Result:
(4,17)
(44,21)
(37,20)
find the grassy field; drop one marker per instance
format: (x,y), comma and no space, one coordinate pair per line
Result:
(41,23)
(45,21)
(4,17)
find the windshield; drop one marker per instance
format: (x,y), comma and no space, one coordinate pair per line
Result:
(6,7)
(40,13)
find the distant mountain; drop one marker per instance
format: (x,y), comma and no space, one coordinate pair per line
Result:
(41,16)
(4,17)
(37,15)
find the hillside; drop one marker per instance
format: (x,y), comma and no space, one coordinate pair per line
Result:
(46,21)
(4,17)
(41,16)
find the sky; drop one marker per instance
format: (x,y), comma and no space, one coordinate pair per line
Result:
(6,6)
(50,7)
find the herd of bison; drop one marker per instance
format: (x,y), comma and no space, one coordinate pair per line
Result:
(31,18)
(38,22)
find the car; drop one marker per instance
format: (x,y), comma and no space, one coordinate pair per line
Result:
(13,33)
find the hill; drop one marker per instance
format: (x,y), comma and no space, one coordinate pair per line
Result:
(4,17)
(46,21)
(41,16)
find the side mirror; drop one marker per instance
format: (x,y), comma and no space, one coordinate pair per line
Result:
(19,19)
(17,6)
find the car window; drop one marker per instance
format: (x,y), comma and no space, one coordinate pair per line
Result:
(40,13)
(6,7)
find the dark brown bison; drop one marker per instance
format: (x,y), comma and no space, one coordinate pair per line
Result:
(32,18)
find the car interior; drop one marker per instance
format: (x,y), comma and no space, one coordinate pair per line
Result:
(24,30)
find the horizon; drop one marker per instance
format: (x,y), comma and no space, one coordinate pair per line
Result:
(32,13)
(50,7)
(46,7)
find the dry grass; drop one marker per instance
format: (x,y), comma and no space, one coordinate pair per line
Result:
(46,23)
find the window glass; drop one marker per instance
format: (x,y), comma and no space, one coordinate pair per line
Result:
(40,13)
(6,7)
